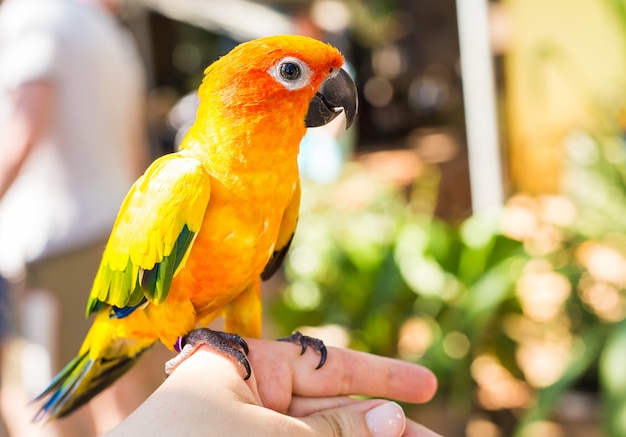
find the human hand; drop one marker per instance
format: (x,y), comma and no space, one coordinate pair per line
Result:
(286,395)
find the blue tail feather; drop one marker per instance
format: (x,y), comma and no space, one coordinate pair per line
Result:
(81,380)
(65,391)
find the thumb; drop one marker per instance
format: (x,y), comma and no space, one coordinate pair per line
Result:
(376,418)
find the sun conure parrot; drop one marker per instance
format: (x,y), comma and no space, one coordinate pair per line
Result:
(198,231)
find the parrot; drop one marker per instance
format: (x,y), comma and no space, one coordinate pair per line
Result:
(204,225)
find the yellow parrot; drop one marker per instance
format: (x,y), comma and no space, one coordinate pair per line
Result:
(200,229)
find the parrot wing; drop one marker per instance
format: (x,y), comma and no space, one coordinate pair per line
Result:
(152,236)
(285,235)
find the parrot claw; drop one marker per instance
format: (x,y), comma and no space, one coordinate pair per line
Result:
(305,341)
(225,343)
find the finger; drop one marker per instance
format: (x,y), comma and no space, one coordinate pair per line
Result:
(346,372)
(414,429)
(301,406)
(376,418)
(349,372)
(306,406)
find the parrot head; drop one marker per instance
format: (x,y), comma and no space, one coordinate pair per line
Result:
(287,75)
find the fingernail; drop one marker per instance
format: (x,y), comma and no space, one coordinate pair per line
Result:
(386,420)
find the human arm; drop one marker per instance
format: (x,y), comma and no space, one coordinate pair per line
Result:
(285,395)
(32,111)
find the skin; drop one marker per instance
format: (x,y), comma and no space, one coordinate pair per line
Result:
(285,395)
(30,120)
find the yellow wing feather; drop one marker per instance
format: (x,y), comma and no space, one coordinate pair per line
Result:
(153,233)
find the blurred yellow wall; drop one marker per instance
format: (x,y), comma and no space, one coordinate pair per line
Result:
(563,59)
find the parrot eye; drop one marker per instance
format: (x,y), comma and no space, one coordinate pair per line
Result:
(292,73)
(289,71)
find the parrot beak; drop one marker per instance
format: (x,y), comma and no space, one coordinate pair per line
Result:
(337,92)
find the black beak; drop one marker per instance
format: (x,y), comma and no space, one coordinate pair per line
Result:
(337,92)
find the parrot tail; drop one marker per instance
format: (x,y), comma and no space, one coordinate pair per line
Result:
(84,377)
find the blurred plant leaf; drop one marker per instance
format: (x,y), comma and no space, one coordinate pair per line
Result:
(613,381)
(584,353)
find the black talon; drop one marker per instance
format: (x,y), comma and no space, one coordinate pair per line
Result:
(305,341)
(228,344)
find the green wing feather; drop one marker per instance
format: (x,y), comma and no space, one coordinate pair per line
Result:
(152,235)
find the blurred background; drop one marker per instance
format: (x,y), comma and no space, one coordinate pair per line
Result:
(474,219)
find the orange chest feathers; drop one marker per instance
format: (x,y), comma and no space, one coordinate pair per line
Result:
(236,240)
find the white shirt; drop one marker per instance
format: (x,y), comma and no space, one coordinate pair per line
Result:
(71,186)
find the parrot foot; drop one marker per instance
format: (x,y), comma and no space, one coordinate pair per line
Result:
(305,341)
(231,345)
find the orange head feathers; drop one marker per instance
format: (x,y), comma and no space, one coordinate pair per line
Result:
(272,82)
(251,75)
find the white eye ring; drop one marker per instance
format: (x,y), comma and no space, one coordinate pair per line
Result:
(292,73)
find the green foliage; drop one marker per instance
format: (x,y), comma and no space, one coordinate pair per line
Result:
(399,282)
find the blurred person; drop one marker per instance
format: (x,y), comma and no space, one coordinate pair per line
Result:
(5,318)
(71,144)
